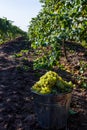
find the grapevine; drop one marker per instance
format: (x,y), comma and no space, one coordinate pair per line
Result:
(58,22)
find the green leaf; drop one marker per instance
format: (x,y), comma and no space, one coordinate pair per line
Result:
(72,112)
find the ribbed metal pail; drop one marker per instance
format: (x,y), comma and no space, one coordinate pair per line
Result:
(52,110)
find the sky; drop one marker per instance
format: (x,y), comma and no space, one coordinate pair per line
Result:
(20,11)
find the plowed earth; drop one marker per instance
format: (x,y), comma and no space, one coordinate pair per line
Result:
(16,106)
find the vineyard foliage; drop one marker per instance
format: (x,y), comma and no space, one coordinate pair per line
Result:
(58,21)
(8,31)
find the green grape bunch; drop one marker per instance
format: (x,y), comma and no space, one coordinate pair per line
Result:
(52,83)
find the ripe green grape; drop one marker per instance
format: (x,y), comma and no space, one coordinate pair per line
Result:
(51,82)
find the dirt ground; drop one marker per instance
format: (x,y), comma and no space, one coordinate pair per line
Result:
(16,106)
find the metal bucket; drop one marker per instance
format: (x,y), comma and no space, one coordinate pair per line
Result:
(52,110)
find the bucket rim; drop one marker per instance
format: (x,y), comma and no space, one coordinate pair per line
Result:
(51,95)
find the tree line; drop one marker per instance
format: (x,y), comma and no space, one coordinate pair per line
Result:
(8,31)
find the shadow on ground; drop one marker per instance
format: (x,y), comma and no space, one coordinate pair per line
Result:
(15,46)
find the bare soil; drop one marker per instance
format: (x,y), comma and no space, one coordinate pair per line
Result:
(16,106)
